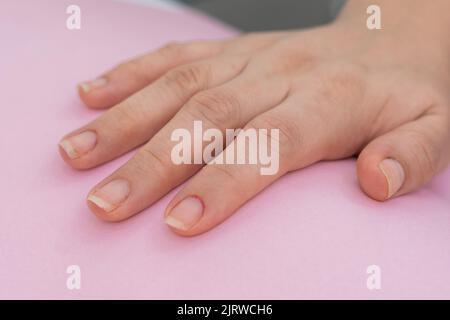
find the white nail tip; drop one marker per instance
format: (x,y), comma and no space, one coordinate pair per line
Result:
(68,149)
(88,86)
(85,87)
(394,174)
(175,223)
(99,202)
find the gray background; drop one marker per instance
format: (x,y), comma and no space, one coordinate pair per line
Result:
(258,15)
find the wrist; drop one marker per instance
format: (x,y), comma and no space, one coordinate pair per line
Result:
(411,22)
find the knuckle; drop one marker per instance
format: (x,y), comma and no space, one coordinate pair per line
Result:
(151,160)
(341,80)
(293,62)
(288,131)
(228,176)
(186,78)
(124,117)
(340,89)
(300,60)
(216,106)
(284,59)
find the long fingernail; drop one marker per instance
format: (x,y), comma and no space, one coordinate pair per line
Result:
(78,145)
(111,195)
(89,85)
(395,175)
(185,214)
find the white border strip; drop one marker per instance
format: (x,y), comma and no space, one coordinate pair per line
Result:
(170,5)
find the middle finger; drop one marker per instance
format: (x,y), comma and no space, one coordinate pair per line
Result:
(151,173)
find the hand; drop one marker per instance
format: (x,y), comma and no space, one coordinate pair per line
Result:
(333,92)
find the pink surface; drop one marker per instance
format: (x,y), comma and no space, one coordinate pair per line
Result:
(310,235)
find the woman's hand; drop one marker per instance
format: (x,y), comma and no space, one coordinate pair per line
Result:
(332,92)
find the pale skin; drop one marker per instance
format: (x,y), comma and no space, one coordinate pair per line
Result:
(333,92)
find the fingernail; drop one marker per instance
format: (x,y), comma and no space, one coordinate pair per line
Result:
(394,173)
(79,144)
(111,195)
(89,85)
(185,214)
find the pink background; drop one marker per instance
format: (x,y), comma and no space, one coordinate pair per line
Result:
(310,235)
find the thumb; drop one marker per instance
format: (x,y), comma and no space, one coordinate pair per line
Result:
(405,158)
